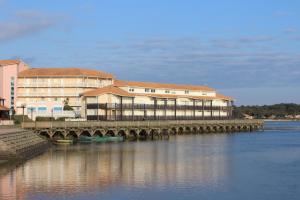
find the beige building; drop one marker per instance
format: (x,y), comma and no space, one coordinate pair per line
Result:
(127,100)
(96,95)
(44,91)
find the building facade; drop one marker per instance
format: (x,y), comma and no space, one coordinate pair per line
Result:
(96,95)
(45,91)
(127,100)
(9,70)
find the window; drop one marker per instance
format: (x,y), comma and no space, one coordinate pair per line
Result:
(30,109)
(12,92)
(147,90)
(131,90)
(167,91)
(42,109)
(57,109)
(153,90)
(186,92)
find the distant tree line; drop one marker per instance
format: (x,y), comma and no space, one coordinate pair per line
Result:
(279,111)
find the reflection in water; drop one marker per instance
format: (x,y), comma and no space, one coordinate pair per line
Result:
(69,170)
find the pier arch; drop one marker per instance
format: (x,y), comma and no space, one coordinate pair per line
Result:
(154,134)
(165,133)
(209,129)
(201,129)
(143,135)
(173,131)
(228,129)
(133,134)
(194,130)
(58,135)
(110,133)
(71,135)
(180,130)
(188,130)
(45,134)
(122,133)
(98,133)
(85,133)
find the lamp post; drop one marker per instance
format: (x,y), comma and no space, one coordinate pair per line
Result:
(23,106)
(31,112)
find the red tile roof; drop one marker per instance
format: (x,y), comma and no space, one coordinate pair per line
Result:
(120,92)
(107,90)
(120,83)
(63,72)
(9,62)
(221,96)
(172,96)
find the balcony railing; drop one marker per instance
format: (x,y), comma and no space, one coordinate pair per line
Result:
(144,118)
(154,107)
(39,94)
(59,85)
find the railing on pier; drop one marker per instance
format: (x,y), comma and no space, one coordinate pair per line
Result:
(103,124)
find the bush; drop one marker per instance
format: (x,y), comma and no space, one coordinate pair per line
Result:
(61,119)
(68,108)
(43,119)
(18,119)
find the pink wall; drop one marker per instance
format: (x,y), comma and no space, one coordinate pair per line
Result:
(6,72)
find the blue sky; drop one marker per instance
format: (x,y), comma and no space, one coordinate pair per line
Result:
(247,49)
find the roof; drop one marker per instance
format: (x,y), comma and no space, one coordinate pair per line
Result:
(63,72)
(3,108)
(120,92)
(107,90)
(121,83)
(221,96)
(172,96)
(9,62)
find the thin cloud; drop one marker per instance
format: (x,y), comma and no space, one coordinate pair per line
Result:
(290,30)
(282,14)
(256,39)
(189,60)
(25,23)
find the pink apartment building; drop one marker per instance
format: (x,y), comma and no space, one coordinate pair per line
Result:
(9,70)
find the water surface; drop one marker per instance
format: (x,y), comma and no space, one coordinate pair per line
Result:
(258,165)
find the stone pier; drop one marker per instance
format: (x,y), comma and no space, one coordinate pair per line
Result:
(140,129)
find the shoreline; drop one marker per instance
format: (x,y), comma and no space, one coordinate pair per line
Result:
(281,120)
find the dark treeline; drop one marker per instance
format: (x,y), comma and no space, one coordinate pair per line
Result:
(280,111)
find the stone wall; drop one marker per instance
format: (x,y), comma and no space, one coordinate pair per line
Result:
(18,144)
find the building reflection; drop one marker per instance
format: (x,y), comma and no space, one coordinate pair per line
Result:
(84,168)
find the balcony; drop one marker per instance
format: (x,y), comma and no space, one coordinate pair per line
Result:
(75,103)
(154,107)
(38,94)
(58,85)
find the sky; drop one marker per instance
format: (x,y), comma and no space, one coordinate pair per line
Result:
(246,49)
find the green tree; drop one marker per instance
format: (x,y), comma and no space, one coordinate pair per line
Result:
(67,107)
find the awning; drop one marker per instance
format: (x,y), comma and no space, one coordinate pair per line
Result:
(3,108)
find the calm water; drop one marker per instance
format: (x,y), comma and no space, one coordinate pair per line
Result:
(264,165)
